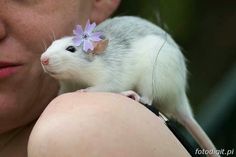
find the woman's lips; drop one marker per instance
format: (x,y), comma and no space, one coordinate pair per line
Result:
(8,69)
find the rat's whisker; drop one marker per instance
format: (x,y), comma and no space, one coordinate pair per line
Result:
(52,35)
(44,45)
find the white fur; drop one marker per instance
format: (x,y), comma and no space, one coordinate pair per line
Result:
(141,57)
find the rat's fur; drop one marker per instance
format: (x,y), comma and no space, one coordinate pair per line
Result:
(131,61)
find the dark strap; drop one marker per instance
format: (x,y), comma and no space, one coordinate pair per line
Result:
(179,135)
(173,128)
(152,108)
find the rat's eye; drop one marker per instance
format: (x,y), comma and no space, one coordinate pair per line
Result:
(71,49)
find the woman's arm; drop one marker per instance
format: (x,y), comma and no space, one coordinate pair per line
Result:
(101,125)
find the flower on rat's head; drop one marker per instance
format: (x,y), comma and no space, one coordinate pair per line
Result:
(86,37)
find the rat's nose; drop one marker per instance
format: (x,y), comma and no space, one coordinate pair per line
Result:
(45,60)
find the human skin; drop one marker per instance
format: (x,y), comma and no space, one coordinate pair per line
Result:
(25,26)
(101,124)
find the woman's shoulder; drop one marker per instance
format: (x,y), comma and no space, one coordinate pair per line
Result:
(106,124)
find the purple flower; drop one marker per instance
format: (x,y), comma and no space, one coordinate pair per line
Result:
(86,37)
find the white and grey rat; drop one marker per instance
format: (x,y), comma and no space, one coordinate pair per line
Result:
(133,55)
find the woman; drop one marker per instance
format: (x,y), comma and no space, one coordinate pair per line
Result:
(70,123)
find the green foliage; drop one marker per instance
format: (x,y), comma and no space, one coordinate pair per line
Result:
(175,16)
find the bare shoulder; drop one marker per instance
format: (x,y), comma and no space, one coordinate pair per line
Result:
(100,124)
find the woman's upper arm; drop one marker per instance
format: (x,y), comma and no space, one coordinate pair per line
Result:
(101,124)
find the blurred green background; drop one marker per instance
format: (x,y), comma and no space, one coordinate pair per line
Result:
(206,32)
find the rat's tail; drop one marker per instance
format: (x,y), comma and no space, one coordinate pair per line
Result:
(198,134)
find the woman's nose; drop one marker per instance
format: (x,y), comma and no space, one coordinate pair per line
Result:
(2,30)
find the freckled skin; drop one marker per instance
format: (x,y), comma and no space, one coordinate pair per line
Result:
(25,92)
(26,27)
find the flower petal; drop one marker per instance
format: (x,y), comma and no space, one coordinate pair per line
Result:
(87,45)
(89,27)
(95,36)
(77,41)
(95,39)
(78,30)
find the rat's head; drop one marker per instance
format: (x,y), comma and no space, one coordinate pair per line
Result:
(64,60)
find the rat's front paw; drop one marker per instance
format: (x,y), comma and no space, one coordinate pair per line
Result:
(131,94)
(135,96)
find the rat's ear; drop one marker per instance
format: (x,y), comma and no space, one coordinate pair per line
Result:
(100,46)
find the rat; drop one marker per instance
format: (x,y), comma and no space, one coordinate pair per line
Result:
(136,58)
